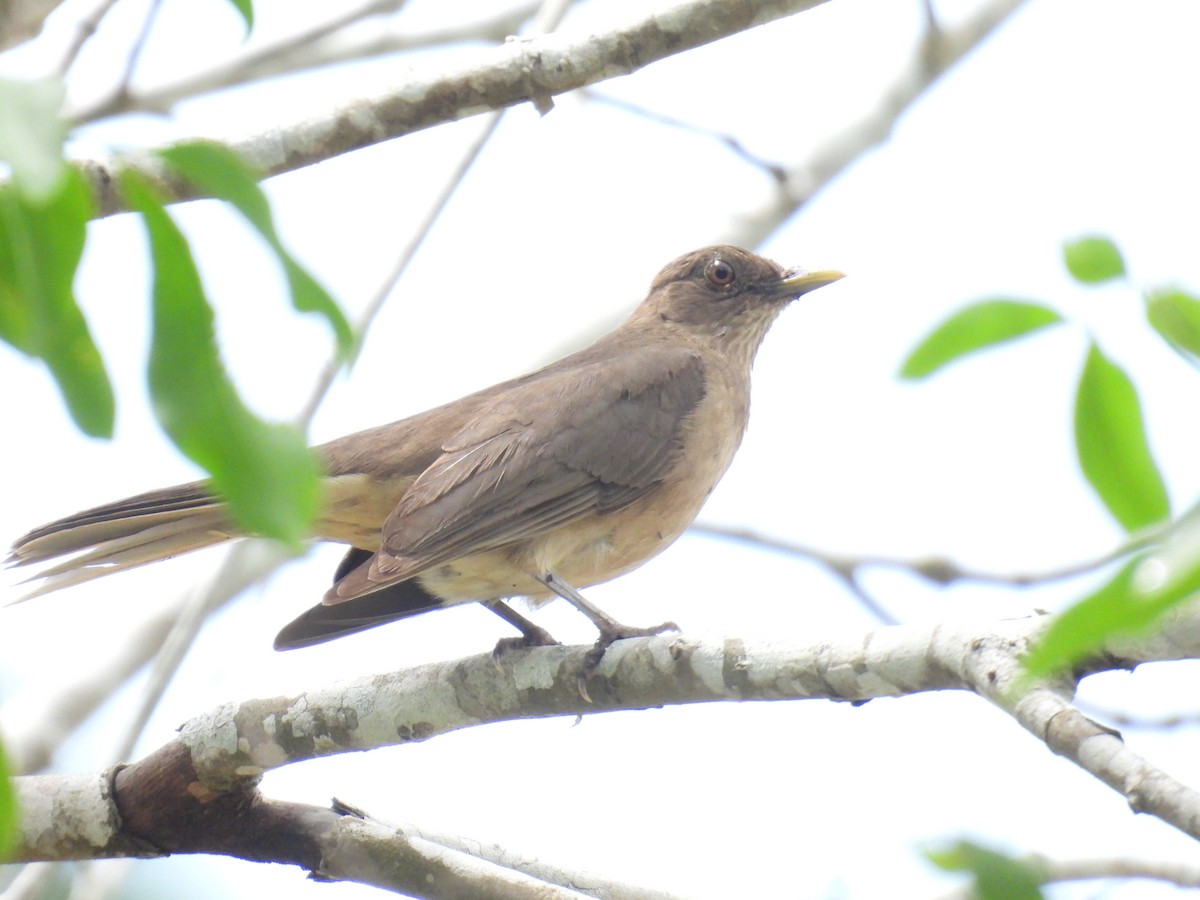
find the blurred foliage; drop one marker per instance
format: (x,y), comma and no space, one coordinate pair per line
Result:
(32,135)
(41,243)
(8,808)
(975,328)
(1093,260)
(1110,440)
(1162,566)
(221,173)
(1175,314)
(245,9)
(44,209)
(264,471)
(997,876)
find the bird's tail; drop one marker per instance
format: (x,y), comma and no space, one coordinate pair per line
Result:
(324,623)
(122,535)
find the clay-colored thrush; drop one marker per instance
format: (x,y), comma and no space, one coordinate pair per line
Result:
(560,479)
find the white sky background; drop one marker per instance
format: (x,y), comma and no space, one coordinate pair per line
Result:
(1077,117)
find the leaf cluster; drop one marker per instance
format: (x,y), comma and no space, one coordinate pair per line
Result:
(1111,446)
(263,470)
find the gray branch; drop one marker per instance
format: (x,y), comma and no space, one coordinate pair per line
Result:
(21,20)
(346,38)
(532,70)
(199,793)
(1054,871)
(941,49)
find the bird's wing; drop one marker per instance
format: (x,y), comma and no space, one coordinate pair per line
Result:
(587,439)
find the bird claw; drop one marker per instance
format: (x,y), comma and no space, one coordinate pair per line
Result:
(608,636)
(619,632)
(533,637)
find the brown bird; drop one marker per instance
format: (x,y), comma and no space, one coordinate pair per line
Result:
(536,487)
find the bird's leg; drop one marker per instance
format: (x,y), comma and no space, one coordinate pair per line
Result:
(610,629)
(531,635)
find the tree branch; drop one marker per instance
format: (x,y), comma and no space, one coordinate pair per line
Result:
(21,20)
(941,49)
(85,30)
(940,570)
(315,46)
(520,71)
(161,797)
(1055,871)
(199,792)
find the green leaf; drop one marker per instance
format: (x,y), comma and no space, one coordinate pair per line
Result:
(221,173)
(1110,441)
(1128,605)
(1092,260)
(32,134)
(1084,627)
(245,9)
(1175,315)
(997,876)
(983,325)
(265,472)
(40,247)
(8,809)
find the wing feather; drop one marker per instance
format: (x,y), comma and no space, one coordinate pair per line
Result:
(588,440)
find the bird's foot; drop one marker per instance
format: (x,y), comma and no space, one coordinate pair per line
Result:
(533,636)
(613,632)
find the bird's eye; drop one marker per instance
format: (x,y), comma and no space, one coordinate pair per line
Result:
(720,273)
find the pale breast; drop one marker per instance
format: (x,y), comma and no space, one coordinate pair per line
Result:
(606,546)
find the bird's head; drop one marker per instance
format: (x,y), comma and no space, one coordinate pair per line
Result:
(728,294)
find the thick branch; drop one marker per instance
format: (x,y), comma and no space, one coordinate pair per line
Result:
(519,71)
(158,806)
(199,794)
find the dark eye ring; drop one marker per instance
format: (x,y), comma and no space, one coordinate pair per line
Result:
(720,273)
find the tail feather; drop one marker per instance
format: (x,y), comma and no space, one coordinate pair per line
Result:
(122,535)
(324,623)
(93,527)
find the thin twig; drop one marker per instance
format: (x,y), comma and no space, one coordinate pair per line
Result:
(1167,871)
(85,29)
(939,570)
(386,288)
(1052,871)
(515,73)
(802,182)
(547,19)
(323,29)
(534,866)
(139,46)
(1121,719)
(774,169)
(319,46)
(247,563)
(256,59)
